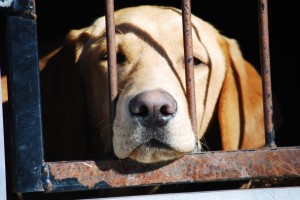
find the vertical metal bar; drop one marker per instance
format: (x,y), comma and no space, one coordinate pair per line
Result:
(2,151)
(25,101)
(266,72)
(112,60)
(189,62)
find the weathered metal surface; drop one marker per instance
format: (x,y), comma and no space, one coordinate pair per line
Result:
(210,166)
(266,72)
(112,59)
(189,61)
(25,101)
(5,3)
(25,8)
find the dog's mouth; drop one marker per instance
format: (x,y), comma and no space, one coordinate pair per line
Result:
(154,143)
(154,151)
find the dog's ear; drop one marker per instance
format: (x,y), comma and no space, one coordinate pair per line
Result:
(76,40)
(240,109)
(62,100)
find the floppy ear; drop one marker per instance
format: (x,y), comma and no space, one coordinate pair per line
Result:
(240,109)
(62,100)
(76,39)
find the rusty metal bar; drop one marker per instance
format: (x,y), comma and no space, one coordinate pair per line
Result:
(189,62)
(203,167)
(112,60)
(266,73)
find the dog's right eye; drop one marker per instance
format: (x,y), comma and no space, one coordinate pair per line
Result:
(120,58)
(105,57)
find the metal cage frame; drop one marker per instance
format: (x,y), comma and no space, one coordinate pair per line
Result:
(32,173)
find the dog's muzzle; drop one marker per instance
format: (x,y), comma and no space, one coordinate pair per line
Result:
(153,109)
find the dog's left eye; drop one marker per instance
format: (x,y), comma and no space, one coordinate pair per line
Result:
(121,58)
(197,61)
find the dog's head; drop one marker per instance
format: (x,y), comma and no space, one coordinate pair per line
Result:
(152,122)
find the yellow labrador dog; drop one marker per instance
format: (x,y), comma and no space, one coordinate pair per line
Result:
(152,123)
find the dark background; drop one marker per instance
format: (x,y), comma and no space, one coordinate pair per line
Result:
(234,18)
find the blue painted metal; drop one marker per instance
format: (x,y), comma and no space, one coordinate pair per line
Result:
(23,6)
(25,104)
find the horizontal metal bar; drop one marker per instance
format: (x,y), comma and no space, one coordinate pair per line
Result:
(204,167)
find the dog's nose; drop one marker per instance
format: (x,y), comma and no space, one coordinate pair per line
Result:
(153,108)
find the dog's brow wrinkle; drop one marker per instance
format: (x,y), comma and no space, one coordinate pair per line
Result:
(147,38)
(195,30)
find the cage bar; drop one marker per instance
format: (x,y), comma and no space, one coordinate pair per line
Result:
(112,60)
(25,101)
(202,167)
(189,62)
(266,73)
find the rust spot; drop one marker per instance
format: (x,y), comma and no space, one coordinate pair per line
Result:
(210,166)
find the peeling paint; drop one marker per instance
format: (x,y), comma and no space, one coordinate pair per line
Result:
(191,168)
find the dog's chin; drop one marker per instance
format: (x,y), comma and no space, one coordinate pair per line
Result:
(153,154)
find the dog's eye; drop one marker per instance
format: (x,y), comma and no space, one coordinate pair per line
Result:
(197,61)
(105,57)
(120,58)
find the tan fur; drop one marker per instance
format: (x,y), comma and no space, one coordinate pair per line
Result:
(75,90)
(4,89)
(241,102)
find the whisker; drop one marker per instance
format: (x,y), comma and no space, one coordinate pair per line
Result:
(122,90)
(101,39)
(105,127)
(203,142)
(101,122)
(119,30)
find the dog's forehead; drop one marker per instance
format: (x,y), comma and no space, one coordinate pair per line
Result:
(149,14)
(159,21)
(162,25)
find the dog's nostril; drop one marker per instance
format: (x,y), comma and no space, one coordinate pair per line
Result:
(168,109)
(138,108)
(153,108)
(142,111)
